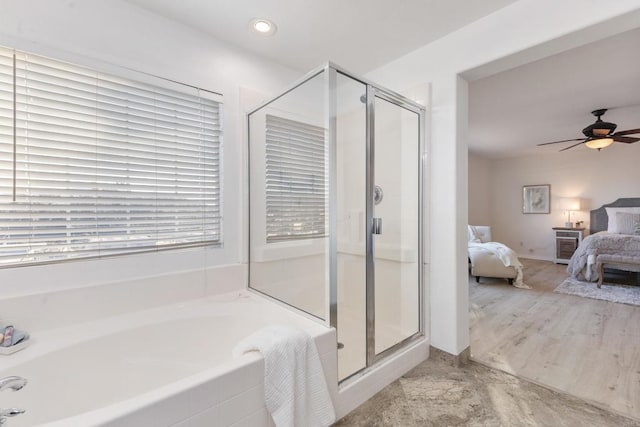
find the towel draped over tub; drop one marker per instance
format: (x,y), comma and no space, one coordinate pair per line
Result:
(295,388)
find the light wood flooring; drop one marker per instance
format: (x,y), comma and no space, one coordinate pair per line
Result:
(585,347)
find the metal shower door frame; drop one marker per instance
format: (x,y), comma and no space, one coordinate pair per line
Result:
(373,91)
(331,72)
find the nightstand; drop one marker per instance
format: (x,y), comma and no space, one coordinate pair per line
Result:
(567,241)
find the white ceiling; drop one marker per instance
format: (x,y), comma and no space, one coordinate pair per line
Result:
(359,35)
(509,112)
(551,99)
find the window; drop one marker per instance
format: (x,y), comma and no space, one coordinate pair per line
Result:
(93,165)
(296,181)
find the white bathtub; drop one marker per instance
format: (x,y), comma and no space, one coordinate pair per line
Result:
(170,365)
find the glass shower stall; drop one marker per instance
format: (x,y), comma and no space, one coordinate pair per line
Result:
(335,215)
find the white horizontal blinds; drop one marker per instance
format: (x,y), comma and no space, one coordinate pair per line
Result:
(11,223)
(53,215)
(296,180)
(6,130)
(158,163)
(107,165)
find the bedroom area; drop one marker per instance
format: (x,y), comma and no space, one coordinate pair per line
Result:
(554,229)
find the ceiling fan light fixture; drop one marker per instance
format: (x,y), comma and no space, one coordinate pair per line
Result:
(599,143)
(601,132)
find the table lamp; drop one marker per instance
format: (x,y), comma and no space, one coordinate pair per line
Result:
(569,204)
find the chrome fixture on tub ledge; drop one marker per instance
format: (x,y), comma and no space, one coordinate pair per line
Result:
(12,412)
(11,383)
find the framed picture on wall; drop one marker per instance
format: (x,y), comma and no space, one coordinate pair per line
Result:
(536,199)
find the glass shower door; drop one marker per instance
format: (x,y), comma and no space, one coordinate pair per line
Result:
(395,152)
(319,154)
(351,152)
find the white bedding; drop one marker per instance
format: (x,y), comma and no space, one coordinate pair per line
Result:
(582,265)
(505,254)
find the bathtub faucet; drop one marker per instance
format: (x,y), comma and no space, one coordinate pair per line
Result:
(4,413)
(13,383)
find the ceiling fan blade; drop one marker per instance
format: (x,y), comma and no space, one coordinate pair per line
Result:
(564,140)
(574,145)
(627,132)
(627,139)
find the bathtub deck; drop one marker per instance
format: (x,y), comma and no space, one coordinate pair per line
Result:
(164,365)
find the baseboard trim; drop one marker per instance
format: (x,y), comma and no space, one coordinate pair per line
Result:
(536,257)
(456,360)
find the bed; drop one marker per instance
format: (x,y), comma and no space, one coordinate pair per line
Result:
(619,236)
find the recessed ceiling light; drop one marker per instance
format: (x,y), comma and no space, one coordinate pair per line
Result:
(263,26)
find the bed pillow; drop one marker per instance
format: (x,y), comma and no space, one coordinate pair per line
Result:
(612,225)
(479,233)
(472,235)
(628,223)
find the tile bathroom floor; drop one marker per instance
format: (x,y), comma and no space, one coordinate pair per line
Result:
(437,394)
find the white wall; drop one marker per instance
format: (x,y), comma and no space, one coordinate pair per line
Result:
(479,191)
(95,32)
(595,177)
(117,32)
(519,33)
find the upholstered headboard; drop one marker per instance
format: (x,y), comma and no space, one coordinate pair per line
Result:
(599,219)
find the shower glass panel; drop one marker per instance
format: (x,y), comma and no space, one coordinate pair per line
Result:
(396,172)
(288,185)
(334,211)
(351,154)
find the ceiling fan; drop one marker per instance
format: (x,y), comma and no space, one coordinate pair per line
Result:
(600,134)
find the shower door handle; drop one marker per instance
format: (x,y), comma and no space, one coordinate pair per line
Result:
(377,226)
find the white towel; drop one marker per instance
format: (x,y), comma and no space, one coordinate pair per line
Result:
(295,389)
